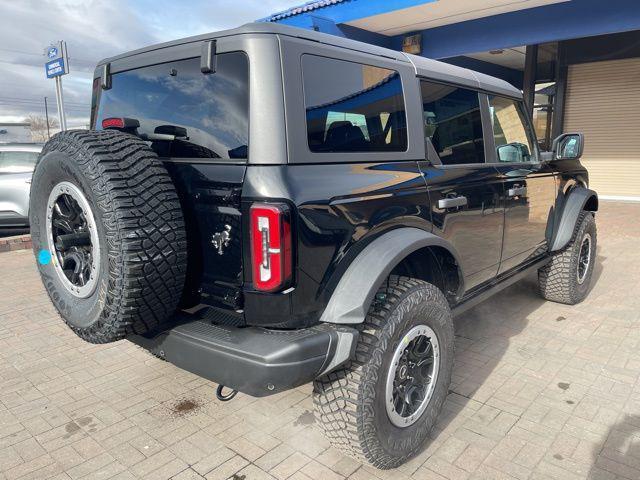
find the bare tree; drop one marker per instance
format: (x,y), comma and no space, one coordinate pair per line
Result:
(38,127)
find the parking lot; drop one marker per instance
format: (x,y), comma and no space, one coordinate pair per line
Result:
(540,390)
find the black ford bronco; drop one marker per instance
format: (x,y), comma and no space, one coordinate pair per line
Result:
(268,206)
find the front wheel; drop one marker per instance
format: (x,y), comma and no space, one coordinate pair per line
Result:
(566,278)
(381,406)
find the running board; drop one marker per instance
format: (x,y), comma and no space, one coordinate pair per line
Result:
(499,283)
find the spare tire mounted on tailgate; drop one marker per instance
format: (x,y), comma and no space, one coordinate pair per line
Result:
(108,233)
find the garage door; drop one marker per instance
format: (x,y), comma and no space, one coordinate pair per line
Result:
(603,102)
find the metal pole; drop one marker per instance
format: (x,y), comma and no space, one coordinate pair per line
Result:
(46,114)
(63,120)
(530,74)
(57,101)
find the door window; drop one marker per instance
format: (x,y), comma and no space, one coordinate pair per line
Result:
(351,107)
(513,137)
(452,123)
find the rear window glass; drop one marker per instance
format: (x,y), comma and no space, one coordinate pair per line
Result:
(16,162)
(207,114)
(352,107)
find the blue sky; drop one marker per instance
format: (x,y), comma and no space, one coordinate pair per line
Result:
(95,29)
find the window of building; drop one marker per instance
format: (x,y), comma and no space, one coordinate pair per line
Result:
(452,123)
(513,137)
(352,107)
(207,114)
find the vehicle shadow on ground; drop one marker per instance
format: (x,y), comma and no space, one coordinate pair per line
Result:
(484,335)
(620,452)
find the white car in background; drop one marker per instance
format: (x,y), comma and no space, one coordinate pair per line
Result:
(17,161)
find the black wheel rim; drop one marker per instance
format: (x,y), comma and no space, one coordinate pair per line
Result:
(412,376)
(72,239)
(584,258)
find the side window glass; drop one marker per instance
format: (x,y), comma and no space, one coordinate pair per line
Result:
(351,107)
(452,123)
(513,137)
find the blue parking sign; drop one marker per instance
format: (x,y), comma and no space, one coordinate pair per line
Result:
(55,68)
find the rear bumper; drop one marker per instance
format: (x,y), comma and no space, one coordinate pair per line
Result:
(253,360)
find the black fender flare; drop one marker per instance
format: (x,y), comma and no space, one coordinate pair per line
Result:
(574,203)
(358,285)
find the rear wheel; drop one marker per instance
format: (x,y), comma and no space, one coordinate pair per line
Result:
(567,277)
(108,233)
(381,406)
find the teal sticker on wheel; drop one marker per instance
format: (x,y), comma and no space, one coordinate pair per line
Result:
(44,257)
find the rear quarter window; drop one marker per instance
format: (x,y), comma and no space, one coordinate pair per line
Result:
(352,107)
(208,114)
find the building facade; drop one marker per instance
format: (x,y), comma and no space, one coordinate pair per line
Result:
(576,61)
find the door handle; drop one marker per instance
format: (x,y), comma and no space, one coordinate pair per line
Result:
(517,191)
(453,202)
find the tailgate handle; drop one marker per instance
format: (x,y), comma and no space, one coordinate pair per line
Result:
(460,201)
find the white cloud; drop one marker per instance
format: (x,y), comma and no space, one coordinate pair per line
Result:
(95,29)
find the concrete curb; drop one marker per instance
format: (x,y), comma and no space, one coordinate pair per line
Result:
(20,242)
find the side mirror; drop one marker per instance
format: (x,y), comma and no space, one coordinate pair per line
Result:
(513,153)
(568,146)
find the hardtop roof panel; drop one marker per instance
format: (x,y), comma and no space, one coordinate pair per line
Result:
(424,66)
(271,28)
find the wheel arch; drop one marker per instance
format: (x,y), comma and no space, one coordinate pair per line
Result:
(575,201)
(391,252)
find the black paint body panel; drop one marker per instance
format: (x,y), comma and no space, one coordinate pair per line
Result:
(210,198)
(338,209)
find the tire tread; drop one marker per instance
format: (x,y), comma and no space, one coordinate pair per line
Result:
(342,396)
(145,231)
(557,280)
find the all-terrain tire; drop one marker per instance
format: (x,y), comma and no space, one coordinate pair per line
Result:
(140,232)
(558,280)
(350,402)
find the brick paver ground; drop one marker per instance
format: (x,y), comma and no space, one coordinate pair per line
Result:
(540,390)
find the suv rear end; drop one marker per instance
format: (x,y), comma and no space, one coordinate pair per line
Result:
(241,158)
(198,124)
(193,104)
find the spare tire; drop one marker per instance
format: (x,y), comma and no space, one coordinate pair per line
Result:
(108,234)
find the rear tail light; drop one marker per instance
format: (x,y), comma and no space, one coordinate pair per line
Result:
(270,246)
(113,123)
(128,124)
